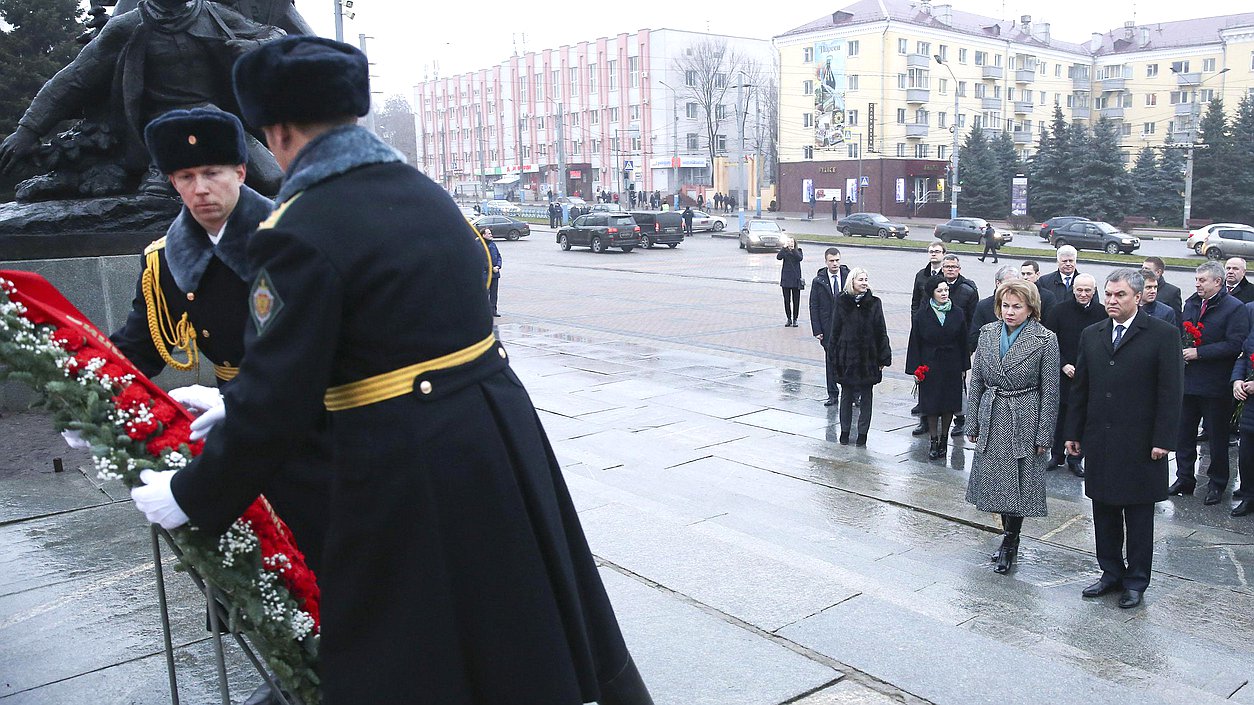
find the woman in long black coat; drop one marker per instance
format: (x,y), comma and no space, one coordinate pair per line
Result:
(859,351)
(938,341)
(791,281)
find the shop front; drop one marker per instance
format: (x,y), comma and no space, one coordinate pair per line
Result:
(904,188)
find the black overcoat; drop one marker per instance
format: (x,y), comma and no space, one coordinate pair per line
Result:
(790,271)
(1123,404)
(1224,328)
(859,348)
(823,301)
(943,350)
(456,570)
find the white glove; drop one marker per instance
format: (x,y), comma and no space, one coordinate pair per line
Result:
(203,424)
(197,397)
(75,440)
(156,500)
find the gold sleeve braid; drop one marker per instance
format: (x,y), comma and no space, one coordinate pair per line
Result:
(165,332)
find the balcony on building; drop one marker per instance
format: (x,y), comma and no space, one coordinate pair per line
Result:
(1023,107)
(1022,136)
(991,72)
(1184,108)
(1025,75)
(1182,136)
(917,95)
(987,103)
(916,129)
(1080,113)
(1189,79)
(1081,84)
(918,61)
(1115,113)
(1114,84)
(991,132)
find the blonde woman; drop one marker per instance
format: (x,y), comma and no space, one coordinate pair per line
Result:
(859,351)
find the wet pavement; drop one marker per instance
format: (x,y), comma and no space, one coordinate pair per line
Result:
(751,558)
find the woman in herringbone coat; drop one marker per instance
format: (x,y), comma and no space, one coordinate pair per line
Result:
(1012,406)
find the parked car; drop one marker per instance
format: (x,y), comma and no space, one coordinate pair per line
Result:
(499,207)
(577,205)
(762,235)
(968,230)
(659,228)
(1050,225)
(503,226)
(1095,235)
(601,231)
(1197,238)
(607,208)
(1229,242)
(871,224)
(704,221)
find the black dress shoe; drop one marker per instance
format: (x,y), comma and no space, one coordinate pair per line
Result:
(1245,506)
(1076,468)
(921,429)
(1131,598)
(1179,487)
(861,441)
(1056,461)
(1213,495)
(1100,588)
(831,401)
(844,439)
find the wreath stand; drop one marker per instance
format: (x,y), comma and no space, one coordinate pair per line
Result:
(217,618)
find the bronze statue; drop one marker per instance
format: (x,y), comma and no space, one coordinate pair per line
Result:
(160,56)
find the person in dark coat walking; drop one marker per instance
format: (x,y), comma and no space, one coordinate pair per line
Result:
(938,338)
(492,279)
(1207,380)
(791,281)
(985,310)
(1013,406)
(848,205)
(455,569)
(687,217)
(1235,281)
(991,241)
(828,283)
(1068,319)
(1168,293)
(1030,271)
(1124,416)
(860,351)
(835,209)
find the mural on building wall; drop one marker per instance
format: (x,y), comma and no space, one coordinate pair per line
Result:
(829,93)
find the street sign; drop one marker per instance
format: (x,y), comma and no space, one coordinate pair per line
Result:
(627,166)
(866,181)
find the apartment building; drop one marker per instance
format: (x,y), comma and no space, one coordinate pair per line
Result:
(613,113)
(872,94)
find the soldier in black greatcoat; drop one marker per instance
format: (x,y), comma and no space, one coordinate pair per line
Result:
(456,570)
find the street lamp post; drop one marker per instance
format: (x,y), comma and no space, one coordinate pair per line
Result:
(1188,156)
(742,109)
(674,140)
(953,155)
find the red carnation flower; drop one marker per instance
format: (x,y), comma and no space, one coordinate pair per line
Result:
(164,412)
(69,338)
(174,435)
(139,430)
(920,373)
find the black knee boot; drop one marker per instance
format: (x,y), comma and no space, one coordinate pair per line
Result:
(627,688)
(1009,544)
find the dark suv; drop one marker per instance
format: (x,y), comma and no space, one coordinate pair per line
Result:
(659,228)
(1049,226)
(601,231)
(1094,235)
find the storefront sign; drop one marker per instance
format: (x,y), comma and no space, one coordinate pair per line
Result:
(829,93)
(870,127)
(901,190)
(683,162)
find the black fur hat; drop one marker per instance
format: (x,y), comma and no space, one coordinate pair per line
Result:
(181,139)
(302,79)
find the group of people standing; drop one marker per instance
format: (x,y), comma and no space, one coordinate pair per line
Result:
(723,202)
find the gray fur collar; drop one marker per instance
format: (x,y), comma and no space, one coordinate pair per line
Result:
(333,153)
(188,250)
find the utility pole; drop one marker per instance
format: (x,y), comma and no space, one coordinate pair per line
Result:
(483,171)
(674,140)
(370,116)
(953,152)
(740,151)
(1188,156)
(339,20)
(561,153)
(757,163)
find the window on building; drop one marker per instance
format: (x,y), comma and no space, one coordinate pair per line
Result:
(808,152)
(853,47)
(942,86)
(1042,96)
(539,122)
(942,50)
(917,78)
(854,149)
(539,83)
(901,80)
(592,78)
(692,110)
(978,120)
(920,117)
(901,116)
(594,117)
(962,89)
(1180,66)
(1125,129)
(1057,70)
(574,80)
(633,112)
(522,88)
(1252,64)
(1206,95)
(997,90)
(1010,94)
(1127,100)
(544,150)
(720,112)
(981,90)
(852,81)
(1151,70)
(526,151)
(807,55)
(1178,97)
(922,47)
(1041,68)
(633,71)
(690,78)
(720,80)
(596,146)
(851,118)
(901,149)
(962,56)
(903,46)
(576,147)
(981,58)
(1147,128)
(1208,65)
(807,87)
(611,81)
(942,119)
(807,120)
(691,143)
(961,120)
(614,144)
(636,143)
(942,152)
(922,151)
(720,143)
(612,115)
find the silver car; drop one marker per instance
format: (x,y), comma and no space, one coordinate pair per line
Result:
(1229,242)
(762,235)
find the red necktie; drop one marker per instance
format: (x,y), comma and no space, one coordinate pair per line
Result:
(1203,312)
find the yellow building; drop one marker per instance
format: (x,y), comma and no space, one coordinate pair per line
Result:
(871,94)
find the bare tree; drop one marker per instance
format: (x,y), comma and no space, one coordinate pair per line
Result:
(396,126)
(707,68)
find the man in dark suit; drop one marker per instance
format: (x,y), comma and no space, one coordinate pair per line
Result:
(1068,320)
(1124,412)
(935,252)
(965,295)
(1030,270)
(1151,306)
(984,309)
(1207,389)
(827,285)
(1168,293)
(1060,281)
(1235,281)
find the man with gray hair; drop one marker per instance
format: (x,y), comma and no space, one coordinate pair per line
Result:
(1223,324)
(1235,281)
(1068,319)
(984,309)
(1060,282)
(1129,371)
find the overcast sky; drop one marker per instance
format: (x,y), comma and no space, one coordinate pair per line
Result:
(410,38)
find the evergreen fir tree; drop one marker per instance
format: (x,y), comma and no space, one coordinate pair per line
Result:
(1214,193)
(1049,171)
(39,41)
(977,171)
(1167,199)
(1144,178)
(1101,185)
(1243,159)
(1007,166)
